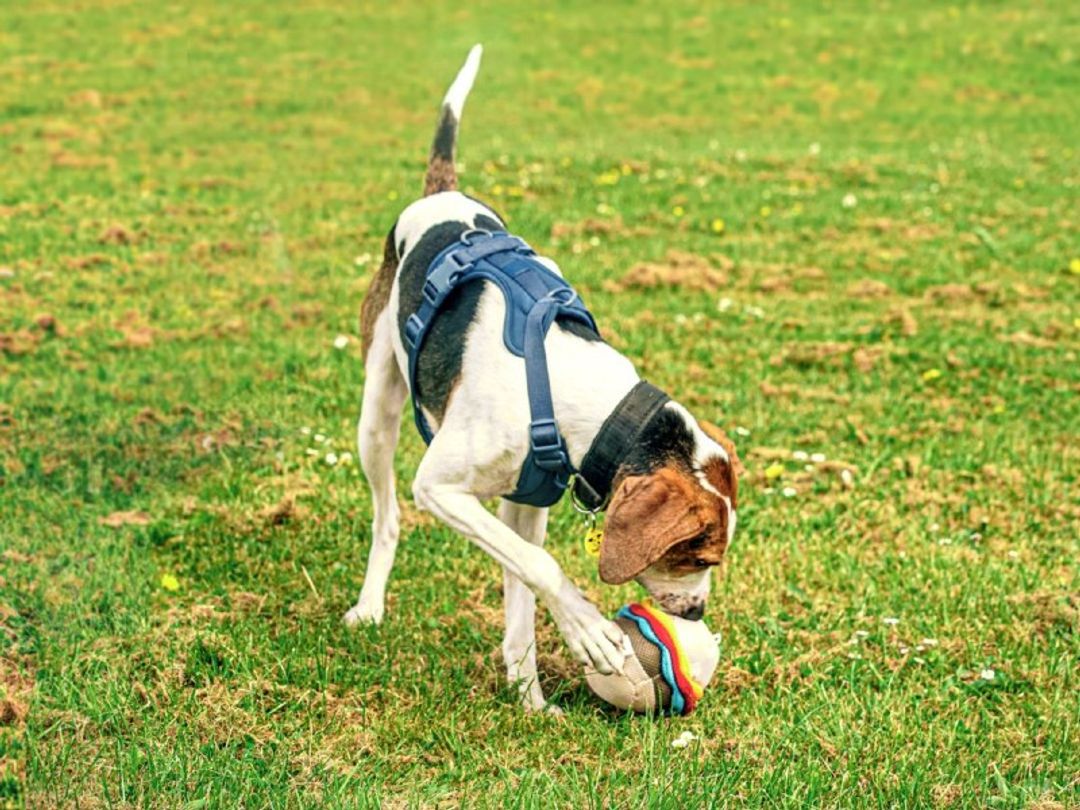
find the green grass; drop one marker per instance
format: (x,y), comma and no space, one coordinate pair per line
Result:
(186,192)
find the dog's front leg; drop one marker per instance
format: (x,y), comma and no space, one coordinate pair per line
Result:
(519,643)
(593,640)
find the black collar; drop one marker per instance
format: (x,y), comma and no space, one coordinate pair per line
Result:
(617,436)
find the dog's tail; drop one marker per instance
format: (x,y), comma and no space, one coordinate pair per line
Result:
(441,175)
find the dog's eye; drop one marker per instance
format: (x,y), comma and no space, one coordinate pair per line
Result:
(701,563)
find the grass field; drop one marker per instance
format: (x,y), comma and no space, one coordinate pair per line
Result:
(850,231)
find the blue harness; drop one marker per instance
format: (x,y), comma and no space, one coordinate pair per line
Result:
(535,297)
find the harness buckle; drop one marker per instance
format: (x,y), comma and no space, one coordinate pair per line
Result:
(413,327)
(461,260)
(440,283)
(430,293)
(548,451)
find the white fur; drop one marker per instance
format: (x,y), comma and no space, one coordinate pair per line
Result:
(463,82)
(376,437)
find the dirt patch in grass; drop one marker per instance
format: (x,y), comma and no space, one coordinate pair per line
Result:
(869,288)
(681,270)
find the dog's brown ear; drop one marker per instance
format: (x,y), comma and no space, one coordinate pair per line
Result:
(648,515)
(717,435)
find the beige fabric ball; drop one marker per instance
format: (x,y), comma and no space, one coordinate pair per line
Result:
(641,687)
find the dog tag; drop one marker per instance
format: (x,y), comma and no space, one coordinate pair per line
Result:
(593,536)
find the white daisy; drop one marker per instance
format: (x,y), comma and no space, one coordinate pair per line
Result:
(683,740)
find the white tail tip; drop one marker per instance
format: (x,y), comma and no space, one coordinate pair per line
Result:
(463,82)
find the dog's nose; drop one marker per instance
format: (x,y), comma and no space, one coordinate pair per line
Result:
(693,613)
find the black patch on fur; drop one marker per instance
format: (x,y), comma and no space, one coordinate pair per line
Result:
(484,222)
(390,241)
(578,329)
(439,364)
(665,440)
(493,212)
(445,135)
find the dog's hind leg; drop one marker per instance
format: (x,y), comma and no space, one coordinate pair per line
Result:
(519,643)
(377,435)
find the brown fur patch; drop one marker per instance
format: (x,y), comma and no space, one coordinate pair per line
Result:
(715,433)
(378,294)
(721,475)
(440,176)
(652,514)
(685,558)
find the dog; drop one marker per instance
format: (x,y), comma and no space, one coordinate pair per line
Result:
(671,500)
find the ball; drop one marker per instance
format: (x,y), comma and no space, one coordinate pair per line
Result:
(668,663)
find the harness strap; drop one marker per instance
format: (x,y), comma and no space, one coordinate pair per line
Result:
(446,271)
(545,441)
(541,296)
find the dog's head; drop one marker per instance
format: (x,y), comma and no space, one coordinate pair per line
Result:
(667,528)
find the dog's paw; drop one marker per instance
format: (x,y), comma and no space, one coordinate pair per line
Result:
(362,613)
(593,640)
(549,709)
